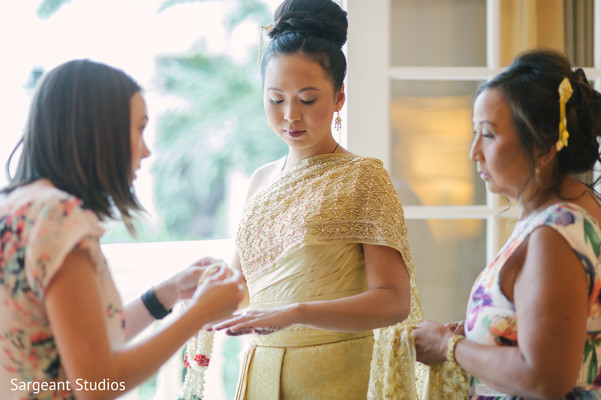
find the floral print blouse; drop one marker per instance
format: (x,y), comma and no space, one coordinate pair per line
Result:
(491,317)
(39,226)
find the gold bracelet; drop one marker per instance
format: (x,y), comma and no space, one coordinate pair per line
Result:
(451,348)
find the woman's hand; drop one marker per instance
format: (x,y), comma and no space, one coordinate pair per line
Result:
(218,295)
(458,328)
(186,281)
(182,285)
(257,321)
(431,340)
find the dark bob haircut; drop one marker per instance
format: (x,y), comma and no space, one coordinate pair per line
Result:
(77,136)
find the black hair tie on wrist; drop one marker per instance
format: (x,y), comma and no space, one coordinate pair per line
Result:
(153,305)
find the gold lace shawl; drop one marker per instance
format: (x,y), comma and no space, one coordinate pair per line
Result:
(395,374)
(330,197)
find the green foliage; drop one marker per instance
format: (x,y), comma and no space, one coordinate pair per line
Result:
(146,231)
(231,368)
(217,127)
(220,127)
(48,8)
(170,3)
(249,9)
(242,10)
(147,389)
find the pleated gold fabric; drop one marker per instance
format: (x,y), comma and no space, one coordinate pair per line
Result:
(300,240)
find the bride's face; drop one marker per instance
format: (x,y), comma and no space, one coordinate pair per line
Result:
(299,101)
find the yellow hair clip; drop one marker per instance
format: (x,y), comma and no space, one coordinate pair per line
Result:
(267,28)
(565,92)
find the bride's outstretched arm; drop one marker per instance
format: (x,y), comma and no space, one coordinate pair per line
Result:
(386,302)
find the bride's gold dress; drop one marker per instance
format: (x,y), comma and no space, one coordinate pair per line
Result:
(300,240)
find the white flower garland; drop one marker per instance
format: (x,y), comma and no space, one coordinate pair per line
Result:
(199,351)
(198,355)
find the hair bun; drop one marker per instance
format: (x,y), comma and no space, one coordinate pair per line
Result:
(584,92)
(584,124)
(319,18)
(580,76)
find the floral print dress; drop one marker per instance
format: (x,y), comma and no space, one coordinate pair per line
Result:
(39,226)
(491,317)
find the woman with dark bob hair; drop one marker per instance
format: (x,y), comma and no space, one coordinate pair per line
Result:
(64,332)
(533,320)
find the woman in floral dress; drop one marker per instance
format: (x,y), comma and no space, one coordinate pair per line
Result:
(533,321)
(64,331)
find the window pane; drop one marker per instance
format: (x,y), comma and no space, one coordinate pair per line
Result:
(447,255)
(431,138)
(438,33)
(565,25)
(579,28)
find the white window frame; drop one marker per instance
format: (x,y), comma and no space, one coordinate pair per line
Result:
(368,88)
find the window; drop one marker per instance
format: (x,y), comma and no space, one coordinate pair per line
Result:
(414,66)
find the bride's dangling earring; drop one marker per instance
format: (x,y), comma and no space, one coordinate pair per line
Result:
(338,124)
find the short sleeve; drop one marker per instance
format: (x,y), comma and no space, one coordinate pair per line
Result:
(376,204)
(61,226)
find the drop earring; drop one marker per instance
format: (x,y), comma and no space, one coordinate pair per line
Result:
(538,167)
(338,122)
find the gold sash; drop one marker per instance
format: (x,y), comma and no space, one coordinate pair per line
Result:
(281,360)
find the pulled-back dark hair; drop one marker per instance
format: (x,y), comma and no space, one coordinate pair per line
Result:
(315,28)
(77,136)
(530,86)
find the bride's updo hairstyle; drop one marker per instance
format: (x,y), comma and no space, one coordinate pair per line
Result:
(314,28)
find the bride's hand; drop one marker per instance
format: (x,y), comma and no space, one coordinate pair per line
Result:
(257,321)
